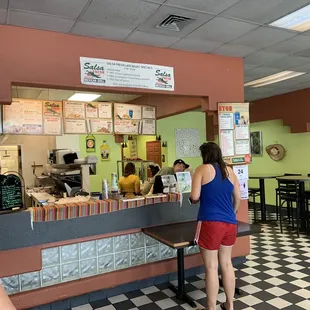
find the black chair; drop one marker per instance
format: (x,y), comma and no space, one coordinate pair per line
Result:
(307,202)
(289,211)
(253,193)
(289,193)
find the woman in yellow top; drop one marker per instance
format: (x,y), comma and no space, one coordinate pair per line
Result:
(129,184)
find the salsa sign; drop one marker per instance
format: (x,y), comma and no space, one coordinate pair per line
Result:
(112,73)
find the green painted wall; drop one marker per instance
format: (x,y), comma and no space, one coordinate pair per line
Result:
(296,160)
(165,127)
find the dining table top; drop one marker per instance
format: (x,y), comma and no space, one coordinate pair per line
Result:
(264,176)
(301,178)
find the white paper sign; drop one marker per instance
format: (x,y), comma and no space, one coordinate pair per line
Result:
(242,147)
(242,172)
(242,132)
(149,127)
(112,73)
(227,142)
(244,189)
(149,112)
(226,121)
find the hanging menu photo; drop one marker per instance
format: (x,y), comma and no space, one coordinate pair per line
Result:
(23,117)
(234,132)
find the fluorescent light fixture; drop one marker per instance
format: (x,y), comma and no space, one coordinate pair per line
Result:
(84,97)
(298,20)
(274,78)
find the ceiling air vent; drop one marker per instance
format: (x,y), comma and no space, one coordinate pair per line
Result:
(174,22)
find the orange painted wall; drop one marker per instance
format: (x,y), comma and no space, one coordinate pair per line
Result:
(293,108)
(49,59)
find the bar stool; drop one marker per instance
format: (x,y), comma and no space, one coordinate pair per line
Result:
(253,193)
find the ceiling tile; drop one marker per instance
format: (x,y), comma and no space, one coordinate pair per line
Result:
(290,62)
(263,11)
(39,21)
(155,1)
(305,53)
(302,68)
(195,45)
(120,13)
(263,37)
(2,16)
(234,50)
(100,31)
(261,72)
(68,8)
(151,39)
(198,20)
(221,29)
(4,3)
(247,67)
(262,58)
(293,45)
(211,6)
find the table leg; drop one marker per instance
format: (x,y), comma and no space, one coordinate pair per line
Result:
(302,207)
(180,290)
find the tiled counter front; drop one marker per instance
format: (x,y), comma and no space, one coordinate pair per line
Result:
(86,259)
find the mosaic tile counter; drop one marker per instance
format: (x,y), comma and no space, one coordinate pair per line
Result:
(75,210)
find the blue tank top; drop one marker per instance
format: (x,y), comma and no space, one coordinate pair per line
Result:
(216,200)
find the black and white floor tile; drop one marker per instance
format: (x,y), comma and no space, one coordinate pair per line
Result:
(275,276)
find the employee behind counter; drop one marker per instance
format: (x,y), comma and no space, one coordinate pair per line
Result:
(178,166)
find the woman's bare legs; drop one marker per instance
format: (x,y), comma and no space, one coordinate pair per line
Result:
(5,302)
(228,275)
(210,259)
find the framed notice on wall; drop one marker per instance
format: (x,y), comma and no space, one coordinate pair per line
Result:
(23,116)
(52,117)
(234,132)
(74,110)
(75,126)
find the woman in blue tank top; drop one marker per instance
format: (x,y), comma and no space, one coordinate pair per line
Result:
(217,188)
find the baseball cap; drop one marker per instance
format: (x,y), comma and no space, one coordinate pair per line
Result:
(180,161)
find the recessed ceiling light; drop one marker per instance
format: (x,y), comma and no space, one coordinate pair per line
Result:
(298,20)
(274,78)
(84,97)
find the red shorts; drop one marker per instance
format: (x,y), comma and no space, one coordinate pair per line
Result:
(211,235)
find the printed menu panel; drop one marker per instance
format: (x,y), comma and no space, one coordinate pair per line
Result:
(129,127)
(52,108)
(91,109)
(23,117)
(105,110)
(127,111)
(149,112)
(75,126)
(74,110)
(101,126)
(234,132)
(52,125)
(149,127)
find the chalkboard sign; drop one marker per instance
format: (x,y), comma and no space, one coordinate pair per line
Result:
(11,196)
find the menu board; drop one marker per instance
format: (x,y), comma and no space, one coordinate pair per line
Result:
(23,116)
(91,109)
(149,112)
(234,132)
(52,112)
(101,126)
(105,110)
(149,127)
(129,127)
(127,111)
(75,126)
(74,110)
(11,194)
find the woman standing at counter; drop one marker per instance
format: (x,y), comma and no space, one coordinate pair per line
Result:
(217,188)
(129,184)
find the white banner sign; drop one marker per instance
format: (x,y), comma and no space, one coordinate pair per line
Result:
(111,73)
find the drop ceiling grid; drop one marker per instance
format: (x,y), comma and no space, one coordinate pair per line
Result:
(237,28)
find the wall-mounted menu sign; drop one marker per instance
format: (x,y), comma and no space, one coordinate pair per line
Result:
(149,112)
(23,117)
(75,126)
(52,116)
(74,110)
(234,132)
(149,127)
(11,193)
(100,126)
(91,110)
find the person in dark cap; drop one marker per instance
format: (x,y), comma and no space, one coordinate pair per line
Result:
(178,166)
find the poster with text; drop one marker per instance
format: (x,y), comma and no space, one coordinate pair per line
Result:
(23,116)
(52,125)
(74,110)
(113,73)
(101,126)
(234,132)
(91,110)
(129,127)
(75,126)
(149,127)
(52,108)
(105,110)
(127,111)
(149,112)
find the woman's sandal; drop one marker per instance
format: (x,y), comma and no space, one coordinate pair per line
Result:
(223,306)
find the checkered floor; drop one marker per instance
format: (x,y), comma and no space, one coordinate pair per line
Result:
(275,276)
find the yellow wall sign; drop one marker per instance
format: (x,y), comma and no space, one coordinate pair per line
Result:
(234,132)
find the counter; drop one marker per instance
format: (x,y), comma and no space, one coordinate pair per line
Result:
(54,260)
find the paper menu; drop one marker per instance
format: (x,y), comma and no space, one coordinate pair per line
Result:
(101,126)
(226,121)
(149,112)
(227,142)
(75,126)
(149,127)
(242,147)
(91,110)
(105,110)
(52,125)
(127,111)
(74,110)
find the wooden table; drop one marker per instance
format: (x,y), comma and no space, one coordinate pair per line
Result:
(262,179)
(181,235)
(302,204)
